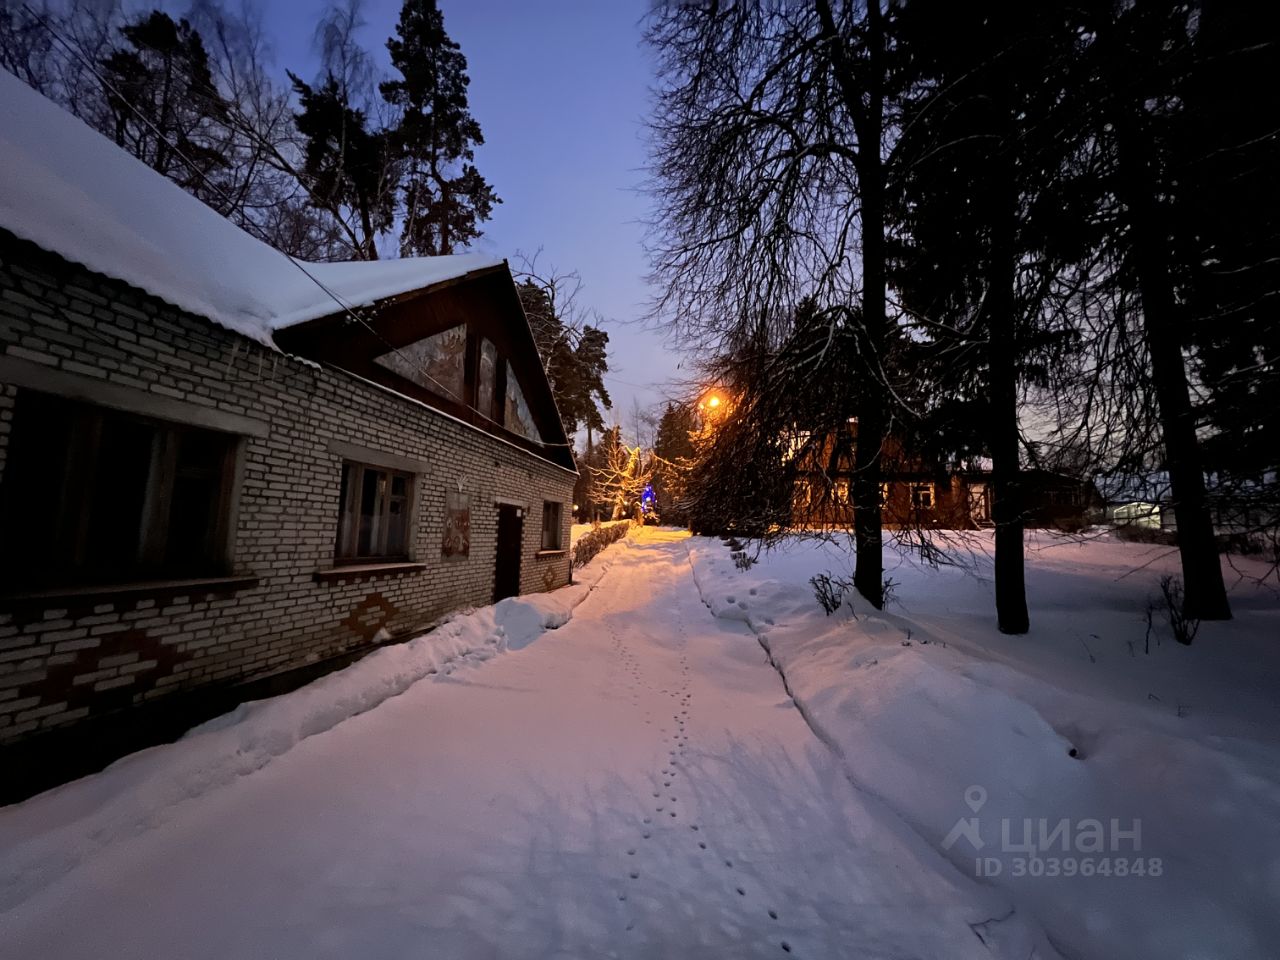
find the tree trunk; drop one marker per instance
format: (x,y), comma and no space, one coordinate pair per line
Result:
(1204,592)
(1006,481)
(868,574)
(1002,366)
(868,116)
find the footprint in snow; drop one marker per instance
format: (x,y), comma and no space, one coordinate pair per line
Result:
(634,874)
(773,914)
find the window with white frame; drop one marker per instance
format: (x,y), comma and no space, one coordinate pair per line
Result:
(922,496)
(374,523)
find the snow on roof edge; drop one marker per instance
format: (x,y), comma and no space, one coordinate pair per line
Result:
(74,193)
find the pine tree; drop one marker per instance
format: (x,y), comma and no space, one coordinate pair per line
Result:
(1231,277)
(574,355)
(164,107)
(444,196)
(674,459)
(1140,57)
(347,167)
(987,158)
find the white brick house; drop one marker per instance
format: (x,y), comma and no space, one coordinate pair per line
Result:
(215,480)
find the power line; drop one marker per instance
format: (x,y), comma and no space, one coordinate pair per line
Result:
(350,310)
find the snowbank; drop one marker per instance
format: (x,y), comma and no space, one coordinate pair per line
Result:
(1067,745)
(50,834)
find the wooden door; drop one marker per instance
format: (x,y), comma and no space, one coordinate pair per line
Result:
(506,571)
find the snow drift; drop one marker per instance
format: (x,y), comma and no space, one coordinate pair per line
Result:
(50,834)
(1173,755)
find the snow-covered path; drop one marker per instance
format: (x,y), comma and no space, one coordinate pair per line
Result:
(634,784)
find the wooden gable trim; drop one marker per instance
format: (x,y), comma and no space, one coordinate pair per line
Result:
(485,301)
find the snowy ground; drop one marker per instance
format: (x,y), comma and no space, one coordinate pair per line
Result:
(616,769)
(1171,801)
(635,783)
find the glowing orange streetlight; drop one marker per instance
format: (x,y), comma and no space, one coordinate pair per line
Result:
(712,408)
(711,402)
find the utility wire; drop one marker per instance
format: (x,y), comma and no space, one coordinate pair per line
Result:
(351,311)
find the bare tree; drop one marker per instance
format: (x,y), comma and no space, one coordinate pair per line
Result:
(771,144)
(621,476)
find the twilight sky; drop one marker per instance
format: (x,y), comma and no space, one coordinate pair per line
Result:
(560,88)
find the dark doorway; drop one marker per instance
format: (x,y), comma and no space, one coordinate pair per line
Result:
(506,569)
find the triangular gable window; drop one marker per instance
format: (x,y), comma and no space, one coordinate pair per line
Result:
(517,417)
(437,363)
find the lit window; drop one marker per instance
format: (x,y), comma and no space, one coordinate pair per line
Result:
(551,533)
(922,495)
(795,442)
(374,522)
(93,495)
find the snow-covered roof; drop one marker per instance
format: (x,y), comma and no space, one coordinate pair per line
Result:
(73,192)
(1152,487)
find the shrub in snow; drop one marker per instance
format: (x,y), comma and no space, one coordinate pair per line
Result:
(590,544)
(1170,603)
(1184,628)
(830,591)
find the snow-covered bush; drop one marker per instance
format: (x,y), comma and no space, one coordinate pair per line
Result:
(590,544)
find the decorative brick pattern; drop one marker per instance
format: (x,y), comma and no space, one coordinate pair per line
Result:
(69,663)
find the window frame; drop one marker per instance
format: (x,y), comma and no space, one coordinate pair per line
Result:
(553,508)
(923,487)
(347,542)
(74,561)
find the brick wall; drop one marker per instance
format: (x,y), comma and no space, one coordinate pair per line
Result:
(78,657)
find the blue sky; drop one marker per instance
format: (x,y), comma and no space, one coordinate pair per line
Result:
(561,91)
